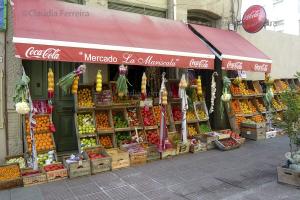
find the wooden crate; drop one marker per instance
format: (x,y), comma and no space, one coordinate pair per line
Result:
(137,154)
(168,153)
(152,153)
(99,164)
(256,125)
(288,176)
(182,148)
(253,133)
(202,106)
(33,179)
(81,168)
(257,87)
(56,175)
(7,158)
(120,159)
(13,182)
(198,147)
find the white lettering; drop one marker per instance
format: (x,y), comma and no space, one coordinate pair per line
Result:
(103,59)
(203,64)
(261,68)
(50,53)
(235,65)
(253,14)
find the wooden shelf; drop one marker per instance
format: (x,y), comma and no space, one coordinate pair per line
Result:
(110,131)
(87,135)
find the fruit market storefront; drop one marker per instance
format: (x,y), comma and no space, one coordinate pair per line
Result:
(93,114)
(248,108)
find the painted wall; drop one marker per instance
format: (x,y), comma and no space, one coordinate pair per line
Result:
(282,48)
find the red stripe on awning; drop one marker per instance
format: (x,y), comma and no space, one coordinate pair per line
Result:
(59,31)
(235,51)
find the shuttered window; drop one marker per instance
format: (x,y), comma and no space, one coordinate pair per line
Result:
(137,9)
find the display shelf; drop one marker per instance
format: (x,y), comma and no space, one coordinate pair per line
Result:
(88,135)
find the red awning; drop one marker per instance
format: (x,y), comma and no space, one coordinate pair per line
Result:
(59,31)
(235,52)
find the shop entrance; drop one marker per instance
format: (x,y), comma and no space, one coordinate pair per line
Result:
(63,116)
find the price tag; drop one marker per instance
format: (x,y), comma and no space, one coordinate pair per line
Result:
(80,163)
(248,132)
(147,103)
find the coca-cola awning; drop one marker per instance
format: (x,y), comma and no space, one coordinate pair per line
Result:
(235,52)
(59,31)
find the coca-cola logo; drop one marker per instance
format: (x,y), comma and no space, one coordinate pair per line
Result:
(203,64)
(49,54)
(234,65)
(261,68)
(254,19)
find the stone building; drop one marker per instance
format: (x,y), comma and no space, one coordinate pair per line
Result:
(215,13)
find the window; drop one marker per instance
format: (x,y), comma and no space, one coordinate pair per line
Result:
(275,2)
(156,12)
(278,23)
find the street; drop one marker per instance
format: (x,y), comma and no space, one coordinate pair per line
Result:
(246,173)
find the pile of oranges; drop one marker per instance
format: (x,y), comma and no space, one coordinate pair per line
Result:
(43,142)
(243,89)
(239,120)
(102,120)
(258,119)
(42,124)
(235,107)
(235,90)
(284,85)
(106,141)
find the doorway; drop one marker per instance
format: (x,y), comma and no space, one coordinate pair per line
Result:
(63,115)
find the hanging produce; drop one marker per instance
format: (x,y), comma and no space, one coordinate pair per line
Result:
(164,142)
(20,99)
(75,85)
(144,85)
(269,88)
(238,80)
(99,81)
(184,107)
(50,83)
(213,92)
(122,87)
(226,96)
(67,81)
(199,86)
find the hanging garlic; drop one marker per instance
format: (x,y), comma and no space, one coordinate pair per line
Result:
(99,81)
(213,93)
(183,83)
(144,84)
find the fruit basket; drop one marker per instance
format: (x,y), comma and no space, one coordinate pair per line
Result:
(33,177)
(123,138)
(201,111)
(20,159)
(197,146)
(137,154)
(42,124)
(120,159)
(152,136)
(84,98)
(10,176)
(55,172)
(88,142)
(78,165)
(100,160)
(104,123)
(152,153)
(191,116)
(227,144)
(259,104)
(193,130)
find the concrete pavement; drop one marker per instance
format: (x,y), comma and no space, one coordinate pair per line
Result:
(247,173)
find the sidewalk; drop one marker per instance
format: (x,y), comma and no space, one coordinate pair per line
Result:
(248,173)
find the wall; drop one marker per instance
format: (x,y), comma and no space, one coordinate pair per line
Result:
(139,3)
(282,48)
(2,99)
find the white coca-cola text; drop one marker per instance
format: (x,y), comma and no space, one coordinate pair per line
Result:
(203,64)
(50,53)
(253,14)
(234,65)
(261,67)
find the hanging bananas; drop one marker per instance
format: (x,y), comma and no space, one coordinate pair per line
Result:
(99,81)
(75,85)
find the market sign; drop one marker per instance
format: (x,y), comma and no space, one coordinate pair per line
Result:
(254,19)
(102,56)
(255,65)
(3,7)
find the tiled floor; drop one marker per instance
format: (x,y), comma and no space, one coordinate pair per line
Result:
(248,173)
